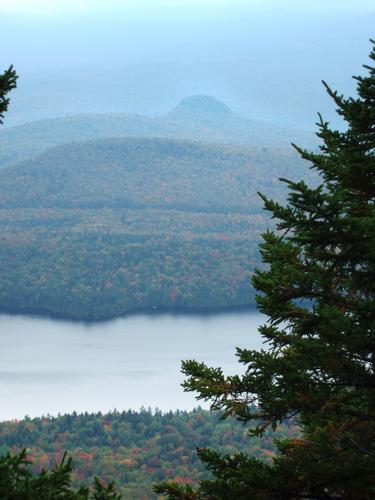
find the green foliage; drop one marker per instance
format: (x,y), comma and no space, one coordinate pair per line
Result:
(8,82)
(18,482)
(136,449)
(318,292)
(94,230)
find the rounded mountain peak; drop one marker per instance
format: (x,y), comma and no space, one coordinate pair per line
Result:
(202,104)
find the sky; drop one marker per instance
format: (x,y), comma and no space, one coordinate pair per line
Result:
(40,7)
(47,34)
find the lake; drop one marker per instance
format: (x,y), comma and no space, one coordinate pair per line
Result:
(50,366)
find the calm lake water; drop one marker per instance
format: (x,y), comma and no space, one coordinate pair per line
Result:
(51,366)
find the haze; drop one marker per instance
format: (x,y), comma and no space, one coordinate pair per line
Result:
(249,55)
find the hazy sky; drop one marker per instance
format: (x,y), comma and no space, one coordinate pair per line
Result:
(38,7)
(47,34)
(276,44)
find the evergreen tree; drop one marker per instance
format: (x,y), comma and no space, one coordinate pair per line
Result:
(318,291)
(8,82)
(17,482)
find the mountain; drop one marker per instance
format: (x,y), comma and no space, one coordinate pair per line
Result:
(146,173)
(201,118)
(96,229)
(201,106)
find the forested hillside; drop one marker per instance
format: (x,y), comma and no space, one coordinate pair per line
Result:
(137,449)
(201,118)
(94,230)
(148,173)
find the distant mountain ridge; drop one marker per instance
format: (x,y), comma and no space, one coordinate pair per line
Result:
(200,117)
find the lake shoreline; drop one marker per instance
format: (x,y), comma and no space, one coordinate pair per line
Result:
(173,311)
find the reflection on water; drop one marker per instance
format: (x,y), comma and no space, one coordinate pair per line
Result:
(50,366)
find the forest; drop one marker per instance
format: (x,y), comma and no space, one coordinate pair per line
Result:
(138,449)
(96,229)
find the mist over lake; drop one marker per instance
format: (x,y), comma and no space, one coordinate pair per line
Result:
(50,366)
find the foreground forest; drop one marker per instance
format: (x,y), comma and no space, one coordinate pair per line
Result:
(138,449)
(93,230)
